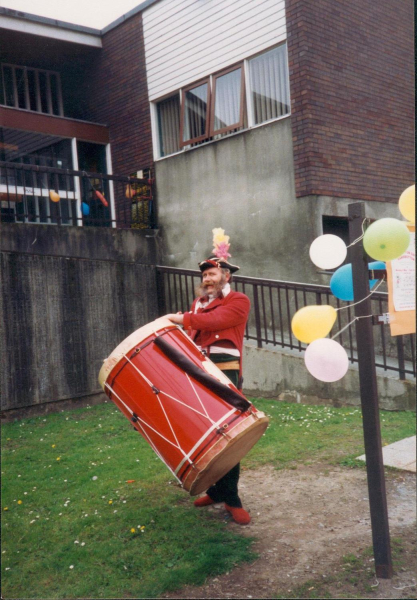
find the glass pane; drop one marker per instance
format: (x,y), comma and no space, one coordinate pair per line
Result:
(53,80)
(169,125)
(269,85)
(20,87)
(32,89)
(43,92)
(227,101)
(195,112)
(8,86)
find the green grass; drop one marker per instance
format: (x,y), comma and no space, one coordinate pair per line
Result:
(300,433)
(59,517)
(66,518)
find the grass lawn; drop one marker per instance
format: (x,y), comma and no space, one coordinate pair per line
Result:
(88,510)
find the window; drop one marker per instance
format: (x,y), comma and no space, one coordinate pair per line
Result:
(227,110)
(32,89)
(169,125)
(215,106)
(268,85)
(336,226)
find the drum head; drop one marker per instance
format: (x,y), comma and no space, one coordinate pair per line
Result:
(215,464)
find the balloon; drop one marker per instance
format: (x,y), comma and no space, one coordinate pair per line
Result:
(313,322)
(386,239)
(326,360)
(85,209)
(100,196)
(328,251)
(130,192)
(341,283)
(407,203)
(54,196)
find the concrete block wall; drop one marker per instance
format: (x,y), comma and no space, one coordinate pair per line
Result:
(282,375)
(352,97)
(68,297)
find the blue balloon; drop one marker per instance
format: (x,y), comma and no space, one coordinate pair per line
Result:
(85,209)
(341,283)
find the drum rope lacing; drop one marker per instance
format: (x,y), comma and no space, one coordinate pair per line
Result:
(153,387)
(186,457)
(144,432)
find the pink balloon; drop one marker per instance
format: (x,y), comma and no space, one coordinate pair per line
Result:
(326,360)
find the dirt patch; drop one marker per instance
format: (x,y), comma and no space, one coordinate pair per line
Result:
(305,521)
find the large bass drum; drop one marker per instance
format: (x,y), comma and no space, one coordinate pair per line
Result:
(191,414)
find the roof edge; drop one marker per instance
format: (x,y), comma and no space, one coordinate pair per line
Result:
(141,7)
(17,14)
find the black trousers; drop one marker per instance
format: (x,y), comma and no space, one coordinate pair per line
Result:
(225,490)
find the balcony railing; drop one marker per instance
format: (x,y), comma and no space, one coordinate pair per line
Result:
(274,303)
(36,194)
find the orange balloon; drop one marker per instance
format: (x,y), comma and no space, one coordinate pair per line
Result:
(100,196)
(54,196)
(407,203)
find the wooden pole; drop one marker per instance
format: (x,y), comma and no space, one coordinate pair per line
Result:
(369,397)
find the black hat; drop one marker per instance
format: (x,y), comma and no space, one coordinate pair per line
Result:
(221,263)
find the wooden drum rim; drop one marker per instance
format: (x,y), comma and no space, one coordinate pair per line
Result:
(134,339)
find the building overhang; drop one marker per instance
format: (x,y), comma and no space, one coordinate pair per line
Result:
(58,30)
(26,120)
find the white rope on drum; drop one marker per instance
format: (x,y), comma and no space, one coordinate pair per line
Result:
(199,399)
(139,424)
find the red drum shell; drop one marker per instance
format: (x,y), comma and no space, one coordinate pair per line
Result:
(199,436)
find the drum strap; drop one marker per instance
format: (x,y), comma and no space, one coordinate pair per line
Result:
(223,391)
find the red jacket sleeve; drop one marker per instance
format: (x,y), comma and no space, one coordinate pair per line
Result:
(229,315)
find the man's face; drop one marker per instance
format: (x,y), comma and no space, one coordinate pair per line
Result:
(214,280)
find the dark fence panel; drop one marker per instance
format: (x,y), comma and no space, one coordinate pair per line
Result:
(274,303)
(36,194)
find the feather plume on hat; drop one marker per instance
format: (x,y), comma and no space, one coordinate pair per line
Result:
(220,252)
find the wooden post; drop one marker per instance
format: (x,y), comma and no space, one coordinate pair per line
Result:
(369,397)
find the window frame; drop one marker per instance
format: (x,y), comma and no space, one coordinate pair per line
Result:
(246,104)
(185,89)
(214,77)
(48,90)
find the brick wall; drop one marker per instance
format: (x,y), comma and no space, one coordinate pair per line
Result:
(118,96)
(351,77)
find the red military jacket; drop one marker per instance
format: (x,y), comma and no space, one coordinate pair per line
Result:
(223,319)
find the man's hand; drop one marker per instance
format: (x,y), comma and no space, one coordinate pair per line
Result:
(177,319)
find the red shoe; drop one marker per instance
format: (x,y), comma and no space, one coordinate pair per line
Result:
(239,515)
(203,501)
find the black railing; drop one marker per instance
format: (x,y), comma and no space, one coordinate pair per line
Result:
(274,303)
(38,194)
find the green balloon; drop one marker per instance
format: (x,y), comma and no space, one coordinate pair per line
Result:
(386,239)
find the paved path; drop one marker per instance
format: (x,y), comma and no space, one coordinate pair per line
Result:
(401,455)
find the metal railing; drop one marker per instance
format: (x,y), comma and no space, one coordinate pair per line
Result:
(39,194)
(274,303)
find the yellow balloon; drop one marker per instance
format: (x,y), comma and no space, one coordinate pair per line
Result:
(313,322)
(54,196)
(407,203)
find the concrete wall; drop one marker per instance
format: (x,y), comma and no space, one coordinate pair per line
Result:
(68,297)
(245,184)
(282,375)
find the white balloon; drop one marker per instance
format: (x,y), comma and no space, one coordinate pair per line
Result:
(328,251)
(326,360)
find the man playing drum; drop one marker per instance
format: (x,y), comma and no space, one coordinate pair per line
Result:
(216,323)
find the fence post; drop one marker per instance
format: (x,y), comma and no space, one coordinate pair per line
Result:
(369,397)
(257,316)
(160,292)
(401,357)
